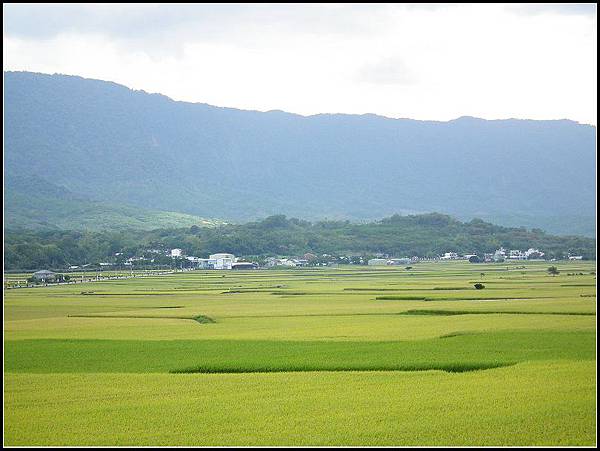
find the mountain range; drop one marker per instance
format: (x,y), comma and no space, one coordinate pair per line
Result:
(83,153)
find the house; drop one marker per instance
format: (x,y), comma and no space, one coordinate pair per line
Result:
(499,255)
(449,256)
(176,253)
(270,262)
(203,263)
(194,262)
(534,254)
(221,260)
(377,262)
(516,254)
(45,276)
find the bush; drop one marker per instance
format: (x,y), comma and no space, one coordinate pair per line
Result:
(553,270)
(479,286)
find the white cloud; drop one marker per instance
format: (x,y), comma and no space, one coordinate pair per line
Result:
(387,71)
(426,62)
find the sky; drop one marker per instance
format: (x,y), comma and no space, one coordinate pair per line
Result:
(419,61)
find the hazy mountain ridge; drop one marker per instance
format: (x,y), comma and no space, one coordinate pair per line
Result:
(117,145)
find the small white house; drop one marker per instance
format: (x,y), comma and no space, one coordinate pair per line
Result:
(499,255)
(516,254)
(449,256)
(44,275)
(534,254)
(176,252)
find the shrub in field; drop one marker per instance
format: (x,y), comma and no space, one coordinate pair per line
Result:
(553,270)
(479,286)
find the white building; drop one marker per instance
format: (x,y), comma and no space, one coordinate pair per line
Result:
(499,255)
(377,261)
(449,256)
(176,252)
(271,262)
(516,254)
(534,254)
(221,261)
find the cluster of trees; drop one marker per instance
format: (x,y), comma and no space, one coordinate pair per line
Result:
(426,235)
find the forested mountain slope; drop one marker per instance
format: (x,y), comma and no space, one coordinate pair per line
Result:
(112,144)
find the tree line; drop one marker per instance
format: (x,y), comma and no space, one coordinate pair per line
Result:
(427,235)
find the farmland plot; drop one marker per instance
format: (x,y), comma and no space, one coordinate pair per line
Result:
(344,356)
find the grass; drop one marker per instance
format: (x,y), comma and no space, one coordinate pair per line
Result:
(306,357)
(471,351)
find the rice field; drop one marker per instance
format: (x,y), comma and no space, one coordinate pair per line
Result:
(19,279)
(340,356)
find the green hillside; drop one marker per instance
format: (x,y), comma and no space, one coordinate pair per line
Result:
(32,203)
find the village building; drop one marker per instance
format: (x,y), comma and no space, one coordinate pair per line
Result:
(221,261)
(449,256)
(45,276)
(499,255)
(534,254)
(516,254)
(377,262)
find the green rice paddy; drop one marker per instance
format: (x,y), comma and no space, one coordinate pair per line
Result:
(341,356)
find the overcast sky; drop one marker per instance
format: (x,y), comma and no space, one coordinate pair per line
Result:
(418,61)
